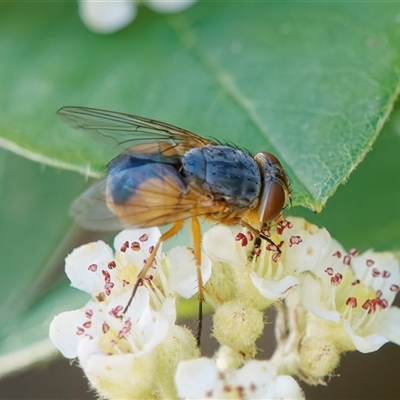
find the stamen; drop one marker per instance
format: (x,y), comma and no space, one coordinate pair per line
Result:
(241,237)
(105,328)
(80,331)
(135,246)
(115,311)
(87,324)
(346,260)
(92,267)
(144,238)
(250,235)
(124,247)
(353,252)
(295,240)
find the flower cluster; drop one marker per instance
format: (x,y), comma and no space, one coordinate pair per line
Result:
(131,354)
(329,302)
(112,15)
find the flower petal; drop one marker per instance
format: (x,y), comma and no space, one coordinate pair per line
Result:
(366,344)
(197,379)
(63,331)
(182,271)
(389,325)
(85,264)
(140,244)
(311,297)
(220,245)
(274,290)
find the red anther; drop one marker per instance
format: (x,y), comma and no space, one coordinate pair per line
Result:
(353,252)
(379,293)
(151,249)
(385,274)
(265,232)
(370,263)
(124,283)
(368,305)
(112,265)
(282,225)
(271,247)
(92,267)
(384,303)
(143,238)
(227,388)
(87,324)
(346,260)
(352,302)
(329,271)
(375,272)
(101,297)
(394,288)
(135,246)
(381,303)
(89,313)
(295,240)
(241,237)
(124,247)
(105,328)
(355,282)
(335,280)
(275,256)
(115,311)
(108,287)
(106,276)
(80,331)
(256,251)
(250,235)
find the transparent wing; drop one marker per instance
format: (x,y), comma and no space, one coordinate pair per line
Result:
(123,131)
(90,210)
(118,202)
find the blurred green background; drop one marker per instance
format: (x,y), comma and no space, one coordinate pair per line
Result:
(313,83)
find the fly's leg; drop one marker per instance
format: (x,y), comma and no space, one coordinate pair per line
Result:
(196,237)
(165,236)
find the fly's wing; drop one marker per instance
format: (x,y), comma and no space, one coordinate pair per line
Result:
(148,194)
(90,210)
(122,131)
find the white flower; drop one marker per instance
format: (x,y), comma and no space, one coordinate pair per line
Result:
(356,292)
(201,379)
(107,16)
(272,272)
(121,351)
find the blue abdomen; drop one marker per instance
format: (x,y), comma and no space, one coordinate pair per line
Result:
(128,172)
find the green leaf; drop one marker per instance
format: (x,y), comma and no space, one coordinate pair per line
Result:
(34,221)
(310,82)
(364,213)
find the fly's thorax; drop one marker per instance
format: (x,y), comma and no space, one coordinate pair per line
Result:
(275,187)
(226,173)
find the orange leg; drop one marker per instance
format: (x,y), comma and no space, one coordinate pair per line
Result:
(196,237)
(165,236)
